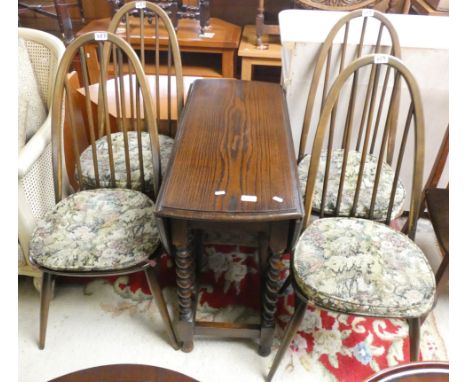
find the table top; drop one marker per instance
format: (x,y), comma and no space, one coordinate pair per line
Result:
(233,159)
(422,371)
(125,373)
(248,45)
(220,34)
(151,81)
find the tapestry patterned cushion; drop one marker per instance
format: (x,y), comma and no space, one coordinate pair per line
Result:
(31,110)
(359,266)
(367,185)
(96,230)
(118,151)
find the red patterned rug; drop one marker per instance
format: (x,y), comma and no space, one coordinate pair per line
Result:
(328,346)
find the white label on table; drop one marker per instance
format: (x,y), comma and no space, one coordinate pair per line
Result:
(140,4)
(207,35)
(248,198)
(381,59)
(367,13)
(220,192)
(100,36)
(278,199)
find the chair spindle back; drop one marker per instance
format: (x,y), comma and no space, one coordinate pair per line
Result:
(148,28)
(127,99)
(334,56)
(370,133)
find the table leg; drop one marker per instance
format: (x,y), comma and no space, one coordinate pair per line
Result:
(228,63)
(278,244)
(246,71)
(184,279)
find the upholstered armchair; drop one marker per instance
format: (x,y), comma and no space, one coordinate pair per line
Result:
(38,57)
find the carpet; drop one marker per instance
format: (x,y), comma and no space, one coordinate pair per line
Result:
(328,346)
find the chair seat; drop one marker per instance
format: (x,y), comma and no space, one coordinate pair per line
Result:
(367,184)
(358,266)
(96,230)
(118,152)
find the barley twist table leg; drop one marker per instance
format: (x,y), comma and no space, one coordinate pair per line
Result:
(270,296)
(184,279)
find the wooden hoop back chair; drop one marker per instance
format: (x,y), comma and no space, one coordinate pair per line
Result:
(334,5)
(323,5)
(436,199)
(165,82)
(130,22)
(353,265)
(327,53)
(333,57)
(107,227)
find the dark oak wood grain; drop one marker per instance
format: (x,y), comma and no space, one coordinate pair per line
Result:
(414,372)
(125,373)
(234,137)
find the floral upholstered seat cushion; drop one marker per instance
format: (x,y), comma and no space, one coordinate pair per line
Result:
(118,152)
(359,266)
(96,230)
(367,185)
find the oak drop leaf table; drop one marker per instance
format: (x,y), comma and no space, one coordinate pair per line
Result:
(232,169)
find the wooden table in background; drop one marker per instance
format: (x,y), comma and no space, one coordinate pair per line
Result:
(151,81)
(223,42)
(165,126)
(232,169)
(420,7)
(252,56)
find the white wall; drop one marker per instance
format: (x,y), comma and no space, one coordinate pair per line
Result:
(424,41)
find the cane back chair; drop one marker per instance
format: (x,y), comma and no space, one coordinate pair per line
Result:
(333,57)
(37,67)
(165,81)
(356,265)
(107,228)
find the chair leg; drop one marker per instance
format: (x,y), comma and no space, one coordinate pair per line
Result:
(285,285)
(414,336)
(159,298)
(291,330)
(46,295)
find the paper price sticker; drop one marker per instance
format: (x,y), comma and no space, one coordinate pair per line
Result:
(207,35)
(140,4)
(278,199)
(220,193)
(367,13)
(100,36)
(381,59)
(248,198)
